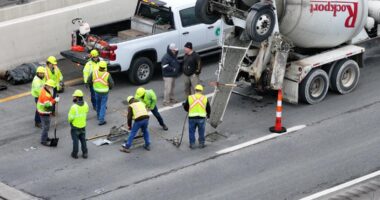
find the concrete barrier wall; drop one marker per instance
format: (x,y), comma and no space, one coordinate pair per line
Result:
(35,37)
(34,7)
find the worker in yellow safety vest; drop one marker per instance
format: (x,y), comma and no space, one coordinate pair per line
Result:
(138,112)
(91,65)
(102,82)
(45,106)
(198,109)
(52,72)
(77,118)
(37,85)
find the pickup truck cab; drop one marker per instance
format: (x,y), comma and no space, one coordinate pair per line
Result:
(137,44)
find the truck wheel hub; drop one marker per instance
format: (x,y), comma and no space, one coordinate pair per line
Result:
(143,71)
(263,25)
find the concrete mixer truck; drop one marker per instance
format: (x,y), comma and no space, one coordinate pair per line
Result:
(303,47)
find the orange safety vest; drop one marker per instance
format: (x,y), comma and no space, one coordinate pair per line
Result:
(45,102)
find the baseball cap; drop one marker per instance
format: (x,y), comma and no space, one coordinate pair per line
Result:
(173,47)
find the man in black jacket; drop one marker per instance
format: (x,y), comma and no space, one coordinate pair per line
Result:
(170,70)
(191,68)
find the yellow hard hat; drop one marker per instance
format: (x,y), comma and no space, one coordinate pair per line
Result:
(78,93)
(140,92)
(40,69)
(199,87)
(129,98)
(50,83)
(52,60)
(103,64)
(94,53)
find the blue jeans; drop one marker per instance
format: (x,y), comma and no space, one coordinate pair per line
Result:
(37,117)
(101,104)
(193,124)
(158,116)
(143,124)
(78,134)
(93,97)
(45,121)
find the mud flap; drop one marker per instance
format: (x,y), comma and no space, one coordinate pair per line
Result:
(233,53)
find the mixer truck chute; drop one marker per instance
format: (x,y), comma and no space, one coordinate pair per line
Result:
(304,47)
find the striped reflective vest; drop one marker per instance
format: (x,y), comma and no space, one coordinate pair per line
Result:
(37,85)
(197,105)
(45,102)
(78,115)
(57,76)
(138,110)
(100,81)
(90,67)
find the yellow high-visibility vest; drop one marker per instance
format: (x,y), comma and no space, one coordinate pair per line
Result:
(197,105)
(100,81)
(138,110)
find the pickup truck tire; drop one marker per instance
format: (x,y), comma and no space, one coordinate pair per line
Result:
(141,70)
(203,13)
(260,23)
(345,76)
(313,89)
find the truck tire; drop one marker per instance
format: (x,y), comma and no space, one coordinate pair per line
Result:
(141,70)
(314,87)
(260,23)
(203,13)
(345,76)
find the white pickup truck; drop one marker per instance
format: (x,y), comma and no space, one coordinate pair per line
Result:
(137,44)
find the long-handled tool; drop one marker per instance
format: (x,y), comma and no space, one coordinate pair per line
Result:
(175,140)
(54,141)
(218,84)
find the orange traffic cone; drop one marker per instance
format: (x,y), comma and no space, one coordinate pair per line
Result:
(278,125)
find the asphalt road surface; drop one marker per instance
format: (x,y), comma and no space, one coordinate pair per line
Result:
(340,142)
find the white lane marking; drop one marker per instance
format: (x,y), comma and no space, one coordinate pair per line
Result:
(176,105)
(259,140)
(342,186)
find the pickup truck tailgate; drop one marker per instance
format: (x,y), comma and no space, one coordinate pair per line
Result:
(77,57)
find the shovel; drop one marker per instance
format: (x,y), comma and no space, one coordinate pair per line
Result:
(177,142)
(54,141)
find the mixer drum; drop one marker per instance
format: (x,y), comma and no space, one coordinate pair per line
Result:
(321,24)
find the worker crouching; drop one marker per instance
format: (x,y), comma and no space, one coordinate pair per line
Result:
(77,118)
(138,113)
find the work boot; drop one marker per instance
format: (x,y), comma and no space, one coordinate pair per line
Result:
(85,155)
(45,144)
(147,147)
(73,155)
(202,145)
(38,125)
(125,150)
(102,123)
(192,146)
(165,127)
(166,104)
(173,101)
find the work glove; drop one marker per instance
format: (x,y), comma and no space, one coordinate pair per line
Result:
(56,99)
